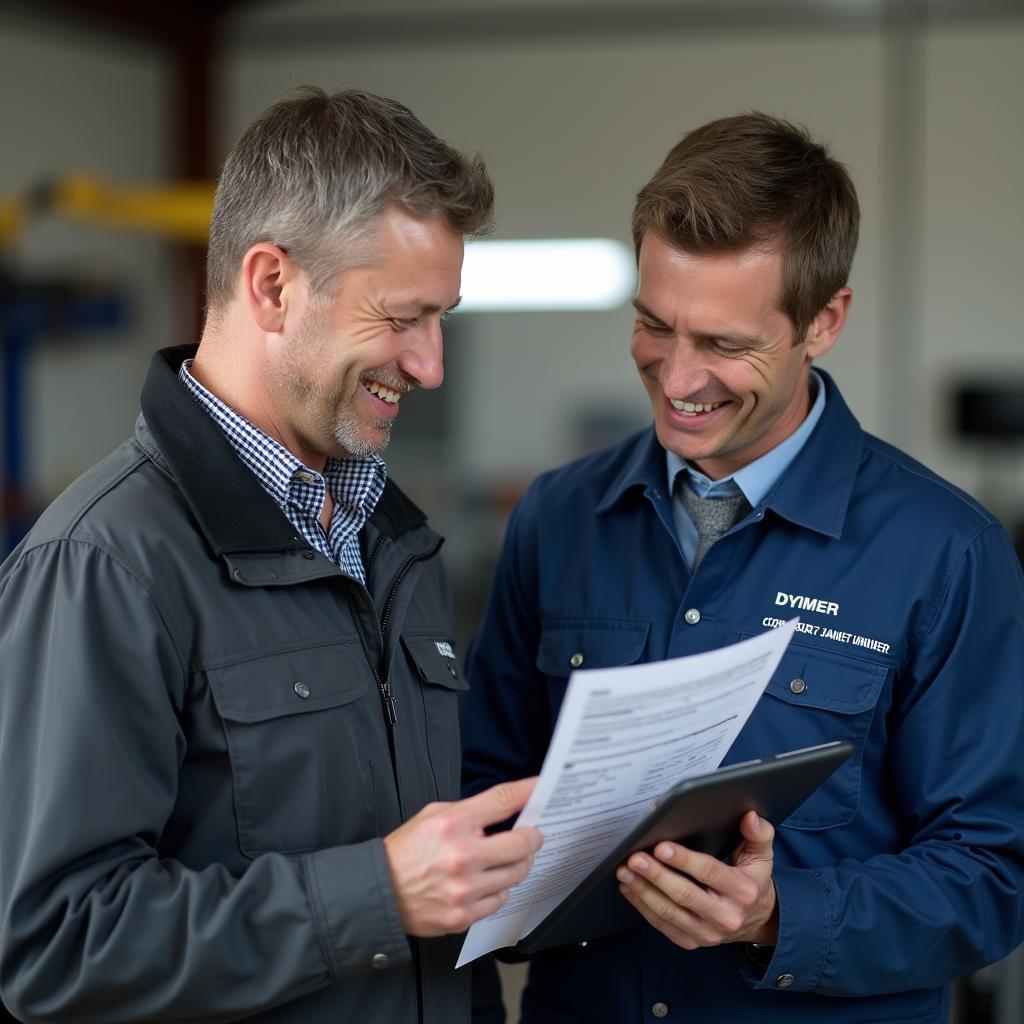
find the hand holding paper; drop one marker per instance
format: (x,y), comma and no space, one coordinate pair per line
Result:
(624,736)
(446,872)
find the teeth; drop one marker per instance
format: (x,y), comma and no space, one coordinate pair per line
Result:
(383,393)
(692,408)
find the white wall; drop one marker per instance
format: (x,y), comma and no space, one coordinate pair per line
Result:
(570,132)
(971,264)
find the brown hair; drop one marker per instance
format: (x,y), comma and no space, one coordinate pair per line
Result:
(312,173)
(756,180)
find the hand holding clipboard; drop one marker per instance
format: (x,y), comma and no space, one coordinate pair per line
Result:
(701,813)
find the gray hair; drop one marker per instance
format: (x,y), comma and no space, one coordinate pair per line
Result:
(312,174)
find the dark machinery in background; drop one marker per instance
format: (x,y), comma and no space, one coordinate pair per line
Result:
(988,414)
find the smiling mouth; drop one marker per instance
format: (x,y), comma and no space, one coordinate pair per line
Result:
(385,394)
(693,408)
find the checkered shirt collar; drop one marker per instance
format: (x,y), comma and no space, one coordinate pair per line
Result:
(355,484)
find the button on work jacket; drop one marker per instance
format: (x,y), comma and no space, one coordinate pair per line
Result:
(196,760)
(905,868)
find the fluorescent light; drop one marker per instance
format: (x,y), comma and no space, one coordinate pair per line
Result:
(559,273)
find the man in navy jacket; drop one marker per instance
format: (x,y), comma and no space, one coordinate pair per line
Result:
(905,869)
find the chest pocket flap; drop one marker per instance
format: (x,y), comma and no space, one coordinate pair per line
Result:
(435,661)
(290,682)
(816,697)
(568,644)
(813,679)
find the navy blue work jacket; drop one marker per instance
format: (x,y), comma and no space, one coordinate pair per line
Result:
(905,869)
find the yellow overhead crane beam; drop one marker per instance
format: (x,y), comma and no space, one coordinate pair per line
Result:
(179,211)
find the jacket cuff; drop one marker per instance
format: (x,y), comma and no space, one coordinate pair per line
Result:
(353,902)
(805,931)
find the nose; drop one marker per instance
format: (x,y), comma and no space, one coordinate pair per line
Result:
(423,360)
(684,371)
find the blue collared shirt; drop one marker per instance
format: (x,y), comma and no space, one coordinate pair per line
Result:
(753,481)
(355,484)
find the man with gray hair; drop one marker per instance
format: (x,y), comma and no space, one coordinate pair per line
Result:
(228,712)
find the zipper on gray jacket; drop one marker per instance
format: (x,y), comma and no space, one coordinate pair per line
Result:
(387,697)
(386,693)
(373,554)
(406,566)
(383,686)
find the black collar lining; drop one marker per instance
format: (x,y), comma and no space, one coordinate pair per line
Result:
(233,511)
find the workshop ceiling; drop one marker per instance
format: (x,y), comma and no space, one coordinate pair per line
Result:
(262,23)
(351,23)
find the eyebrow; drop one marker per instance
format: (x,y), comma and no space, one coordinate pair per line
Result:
(438,309)
(733,337)
(743,340)
(423,308)
(645,312)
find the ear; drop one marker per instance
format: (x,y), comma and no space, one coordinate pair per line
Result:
(827,325)
(269,282)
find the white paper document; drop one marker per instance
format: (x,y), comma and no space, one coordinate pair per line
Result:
(625,736)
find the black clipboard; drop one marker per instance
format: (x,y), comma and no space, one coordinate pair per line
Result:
(702,813)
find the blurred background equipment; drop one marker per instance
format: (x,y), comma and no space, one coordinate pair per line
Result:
(34,310)
(991,410)
(178,212)
(63,310)
(988,419)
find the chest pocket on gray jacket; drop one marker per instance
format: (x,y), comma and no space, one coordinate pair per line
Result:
(302,729)
(439,672)
(816,697)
